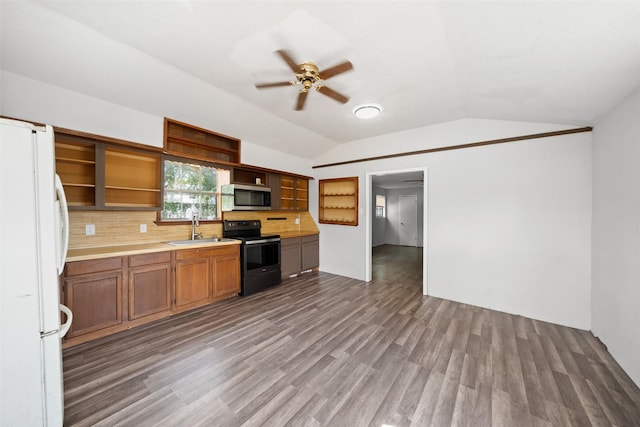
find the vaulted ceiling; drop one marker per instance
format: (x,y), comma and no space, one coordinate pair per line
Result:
(423,62)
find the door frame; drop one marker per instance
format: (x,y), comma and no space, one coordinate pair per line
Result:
(369,220)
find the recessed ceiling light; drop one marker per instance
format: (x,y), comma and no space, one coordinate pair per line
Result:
(367,111)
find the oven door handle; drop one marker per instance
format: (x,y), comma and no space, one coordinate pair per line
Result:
(258,242)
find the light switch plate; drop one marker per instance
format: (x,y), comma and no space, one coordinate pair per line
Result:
(143,228)
(90,229)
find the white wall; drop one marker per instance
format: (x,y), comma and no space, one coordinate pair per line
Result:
(29,99)
(616,234)
(508,225)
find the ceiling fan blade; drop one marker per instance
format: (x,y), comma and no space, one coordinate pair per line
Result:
(277,84)
(332,94)
(290,62)
(302,97)
(336,69)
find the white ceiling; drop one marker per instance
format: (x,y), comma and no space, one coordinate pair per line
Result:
(424,62)
(393,181)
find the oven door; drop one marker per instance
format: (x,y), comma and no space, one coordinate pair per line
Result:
(261,254)
(260,265)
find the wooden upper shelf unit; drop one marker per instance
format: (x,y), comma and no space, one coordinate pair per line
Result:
(98,174)
(184,140)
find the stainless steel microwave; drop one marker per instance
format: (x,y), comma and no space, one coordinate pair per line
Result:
(245,197)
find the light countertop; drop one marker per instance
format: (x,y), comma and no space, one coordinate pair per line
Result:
(83,254)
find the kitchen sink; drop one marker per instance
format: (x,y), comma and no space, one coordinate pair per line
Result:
(197,241)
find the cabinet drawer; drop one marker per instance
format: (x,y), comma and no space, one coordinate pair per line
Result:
(290,241)
(311,239)
(151,258)
(93,266)
(228,250)
(196,253)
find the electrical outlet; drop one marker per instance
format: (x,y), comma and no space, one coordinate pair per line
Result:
(297,221)
(90,229)
(143,228)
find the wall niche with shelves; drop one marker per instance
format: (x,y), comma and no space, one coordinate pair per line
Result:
(338,202)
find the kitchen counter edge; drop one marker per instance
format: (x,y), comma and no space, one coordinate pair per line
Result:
(84,254)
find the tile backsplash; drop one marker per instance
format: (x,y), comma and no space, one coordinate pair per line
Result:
(123,227)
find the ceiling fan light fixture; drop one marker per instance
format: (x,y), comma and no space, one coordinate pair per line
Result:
(367,111)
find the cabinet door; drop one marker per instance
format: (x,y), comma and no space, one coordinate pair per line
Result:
(95,300)
(226,273)
(149,290)
(193,281)
(290,256)
(274,184)
(310,252)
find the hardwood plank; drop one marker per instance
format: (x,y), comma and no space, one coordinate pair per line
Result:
(322,350)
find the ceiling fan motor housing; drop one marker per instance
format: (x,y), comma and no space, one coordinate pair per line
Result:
(309,75)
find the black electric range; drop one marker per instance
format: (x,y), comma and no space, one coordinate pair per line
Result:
(259,255)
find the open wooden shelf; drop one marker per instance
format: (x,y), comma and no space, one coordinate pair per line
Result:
(76,166)
(98,175)
(131,179)
(182,139)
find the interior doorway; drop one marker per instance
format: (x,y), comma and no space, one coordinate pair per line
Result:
(399,176)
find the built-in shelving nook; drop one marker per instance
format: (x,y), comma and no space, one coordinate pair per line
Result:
(338,202)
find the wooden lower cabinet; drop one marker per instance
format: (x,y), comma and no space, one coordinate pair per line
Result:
(290,256)
(298,254)
(113,294)
(93,292)
(206,274)
(193,278)
(226,272)
(150,284)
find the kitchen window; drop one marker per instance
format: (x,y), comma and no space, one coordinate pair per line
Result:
(191,187)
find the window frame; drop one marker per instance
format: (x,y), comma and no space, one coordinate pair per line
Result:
(162,221)
(383,206)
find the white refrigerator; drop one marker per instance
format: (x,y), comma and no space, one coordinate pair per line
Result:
(34,239)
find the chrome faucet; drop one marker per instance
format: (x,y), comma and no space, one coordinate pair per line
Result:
(195,223)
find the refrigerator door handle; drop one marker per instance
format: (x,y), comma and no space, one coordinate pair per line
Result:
(64,328)
(64,210)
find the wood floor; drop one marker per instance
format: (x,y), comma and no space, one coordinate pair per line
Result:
(328,350)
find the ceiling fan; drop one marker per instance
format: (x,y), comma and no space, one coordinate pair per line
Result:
(308,76)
